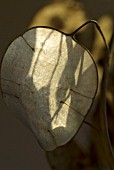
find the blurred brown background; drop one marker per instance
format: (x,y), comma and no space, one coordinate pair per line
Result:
(19,149)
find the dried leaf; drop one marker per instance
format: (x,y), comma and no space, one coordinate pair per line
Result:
(49,81)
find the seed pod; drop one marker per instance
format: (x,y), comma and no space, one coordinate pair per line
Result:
(49,81)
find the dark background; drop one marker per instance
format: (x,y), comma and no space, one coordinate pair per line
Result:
(19,149)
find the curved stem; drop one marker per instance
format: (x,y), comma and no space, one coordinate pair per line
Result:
(103,109)
(98,28)
(103,112)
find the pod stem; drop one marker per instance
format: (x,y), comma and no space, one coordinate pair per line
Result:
(103,97)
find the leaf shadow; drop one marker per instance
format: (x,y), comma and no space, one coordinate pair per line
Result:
(40,118)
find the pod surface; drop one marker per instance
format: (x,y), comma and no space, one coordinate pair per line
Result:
(49,81)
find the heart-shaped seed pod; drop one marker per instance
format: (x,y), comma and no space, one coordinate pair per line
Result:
(49,81)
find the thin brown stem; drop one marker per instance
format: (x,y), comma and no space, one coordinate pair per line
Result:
(103,109)
(103,112)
